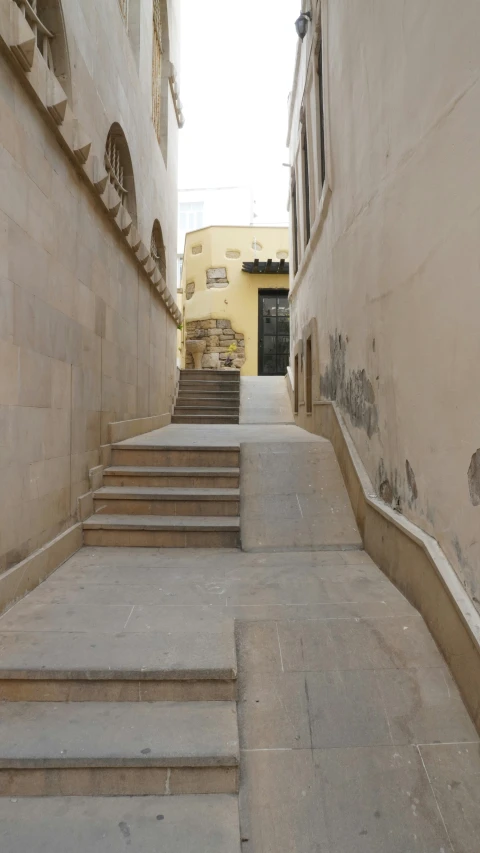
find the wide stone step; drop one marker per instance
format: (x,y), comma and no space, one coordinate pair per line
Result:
(197,399)
(184,456)
(209,387)
(159,656)
(205,409)
(152,500)
(118,748)
(217,478)
(156,531)
(179,824)
(205,419)
(222,374)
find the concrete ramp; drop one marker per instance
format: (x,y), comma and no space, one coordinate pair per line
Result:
(264,400)
(293,498)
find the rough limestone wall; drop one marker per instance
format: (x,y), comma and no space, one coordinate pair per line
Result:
(219,335)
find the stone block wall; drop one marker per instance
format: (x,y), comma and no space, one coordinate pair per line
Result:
(85,338)
(219,335)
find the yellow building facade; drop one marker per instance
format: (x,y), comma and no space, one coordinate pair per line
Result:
(234,295)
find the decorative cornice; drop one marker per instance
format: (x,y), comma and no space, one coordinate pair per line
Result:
(18,41)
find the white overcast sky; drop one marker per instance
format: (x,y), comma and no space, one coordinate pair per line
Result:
(236,73)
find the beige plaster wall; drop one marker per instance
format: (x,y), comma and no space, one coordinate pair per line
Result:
(390,277)
(236,299)
(85,339)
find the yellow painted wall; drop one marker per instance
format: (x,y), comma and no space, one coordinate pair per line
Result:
(237,301)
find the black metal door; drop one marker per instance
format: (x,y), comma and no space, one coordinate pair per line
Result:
(273,332)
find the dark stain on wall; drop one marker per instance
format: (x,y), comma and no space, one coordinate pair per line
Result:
(352,389)
(412,483)
(474,478)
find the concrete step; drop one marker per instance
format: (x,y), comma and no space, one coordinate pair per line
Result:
(205,419)
(154,500)
(156,531)
(159,656)
(193,478)
(198,399)
(118,748)
(222,375)
(206,409)
(209,387)
(186,456)
(178,824)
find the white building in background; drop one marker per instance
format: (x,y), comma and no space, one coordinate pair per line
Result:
(200,208)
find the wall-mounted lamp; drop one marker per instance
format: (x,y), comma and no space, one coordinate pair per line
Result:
(301,24)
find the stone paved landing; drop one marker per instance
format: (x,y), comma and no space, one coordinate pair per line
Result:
(353,736)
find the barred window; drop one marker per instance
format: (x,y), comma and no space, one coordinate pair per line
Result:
(46,20)
(157,68)
(157,249)
(118,165)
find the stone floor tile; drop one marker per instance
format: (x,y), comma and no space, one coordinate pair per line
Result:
(273,711)
(454,773)
(280,809)
(424,706)
(300,612)
(346,709)
(258,649)
(164,592)
(27,615)
(153,575)
(379,800)
(306,588)
(190,620)
(395,642)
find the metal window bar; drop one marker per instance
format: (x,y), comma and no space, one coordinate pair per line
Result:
(157,68)
(124,9)
(114,167)
(43,35)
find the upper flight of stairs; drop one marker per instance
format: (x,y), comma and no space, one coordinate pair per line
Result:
(208,397)
(170,497)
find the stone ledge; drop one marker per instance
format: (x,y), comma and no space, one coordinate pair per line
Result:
(120,430)
(17,41)
(25,576)
(410,558)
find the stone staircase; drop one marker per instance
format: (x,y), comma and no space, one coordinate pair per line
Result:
(92,718)
(208,397)
(168,497)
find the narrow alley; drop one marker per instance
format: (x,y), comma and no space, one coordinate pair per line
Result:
(119,676)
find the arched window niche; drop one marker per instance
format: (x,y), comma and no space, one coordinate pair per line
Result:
(46,20)
(118,165)
(157,249)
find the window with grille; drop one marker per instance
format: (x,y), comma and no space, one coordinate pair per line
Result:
(157,249)
(45,19)
(124,9)
(115,166)
(157,68)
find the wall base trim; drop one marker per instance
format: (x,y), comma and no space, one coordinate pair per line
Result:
(25,576)
(410,558)
(121,430)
